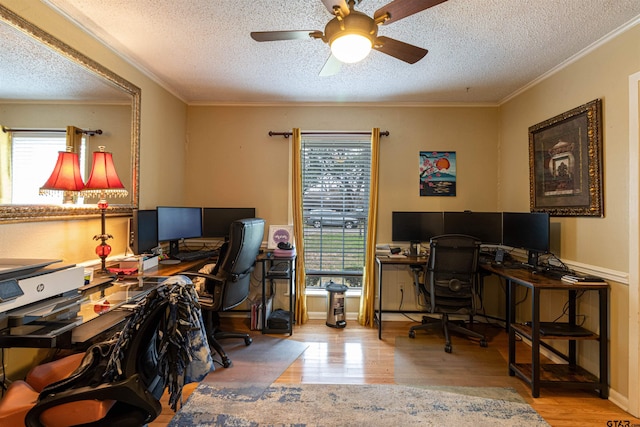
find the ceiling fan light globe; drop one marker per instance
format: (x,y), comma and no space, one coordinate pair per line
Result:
(351,48)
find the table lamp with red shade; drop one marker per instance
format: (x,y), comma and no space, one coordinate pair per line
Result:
(103,181)
(65,177)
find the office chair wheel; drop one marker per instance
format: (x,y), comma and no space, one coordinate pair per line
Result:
(412,334)
(448,348)
(248,340)
(483,343)
(226,362)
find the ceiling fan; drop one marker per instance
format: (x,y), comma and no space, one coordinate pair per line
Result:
(352,34)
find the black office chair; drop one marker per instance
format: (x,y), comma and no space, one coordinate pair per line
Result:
(449,285)
(120,381)
(229,284)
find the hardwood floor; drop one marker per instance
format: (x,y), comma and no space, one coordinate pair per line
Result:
(354,355)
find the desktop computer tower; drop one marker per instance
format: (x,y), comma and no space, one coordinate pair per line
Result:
(143,231)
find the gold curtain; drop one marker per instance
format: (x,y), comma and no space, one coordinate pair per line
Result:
(301,314)
(5,167)
(74,139)
(74,142)
(367,299)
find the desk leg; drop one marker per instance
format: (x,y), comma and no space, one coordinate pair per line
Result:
(510,305)
(603,295)
(535,342)
(511,314)
(379,299)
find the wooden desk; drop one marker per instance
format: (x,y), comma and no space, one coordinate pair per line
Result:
(172,269)
(535,373)
(384,260)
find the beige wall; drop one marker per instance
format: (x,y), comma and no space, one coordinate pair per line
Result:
(222,156)
(601,74)
(233,162)
(600,243)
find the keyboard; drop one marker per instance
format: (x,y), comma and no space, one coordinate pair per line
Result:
(195,255)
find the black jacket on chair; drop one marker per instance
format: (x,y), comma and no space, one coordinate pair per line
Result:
(230,283)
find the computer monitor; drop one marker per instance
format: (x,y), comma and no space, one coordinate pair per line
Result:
(143,231)
(527,230)
(416,226)
(217,221)
(177,223)
(485,226)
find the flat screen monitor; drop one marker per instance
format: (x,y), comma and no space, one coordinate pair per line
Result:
(485,226)
(416,226)
(143,233)
(217,221)
(177,223)
(526,230)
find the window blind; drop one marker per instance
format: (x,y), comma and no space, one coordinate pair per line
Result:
(33,156)
(335,181)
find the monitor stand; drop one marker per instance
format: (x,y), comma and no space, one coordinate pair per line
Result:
(174,248)
(532,259)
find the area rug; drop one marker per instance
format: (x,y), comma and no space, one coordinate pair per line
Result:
(258,364)
(303,405)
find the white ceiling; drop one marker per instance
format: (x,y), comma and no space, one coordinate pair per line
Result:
(480,51)
(30,71)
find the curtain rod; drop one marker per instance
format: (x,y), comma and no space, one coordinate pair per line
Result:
(17,130)
(288,134)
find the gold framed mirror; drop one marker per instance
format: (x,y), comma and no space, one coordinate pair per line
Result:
(49,84)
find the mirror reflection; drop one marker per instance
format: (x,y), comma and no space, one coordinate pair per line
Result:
(46,87)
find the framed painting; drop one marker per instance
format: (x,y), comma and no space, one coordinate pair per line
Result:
(437,173)
(279,234)
(565,163)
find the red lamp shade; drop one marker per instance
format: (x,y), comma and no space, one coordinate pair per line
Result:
(104,177)
(65,175)
(102,182)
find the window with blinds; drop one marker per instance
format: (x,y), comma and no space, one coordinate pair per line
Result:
(33,156)
(335,183)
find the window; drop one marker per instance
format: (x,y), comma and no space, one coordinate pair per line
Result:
(335,200)
(33,156)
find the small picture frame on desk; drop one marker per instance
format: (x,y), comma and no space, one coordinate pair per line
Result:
(279,234)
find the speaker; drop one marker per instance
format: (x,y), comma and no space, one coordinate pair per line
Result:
(499,256)
(143,231)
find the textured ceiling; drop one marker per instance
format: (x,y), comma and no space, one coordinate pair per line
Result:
(32,72)
(480,51)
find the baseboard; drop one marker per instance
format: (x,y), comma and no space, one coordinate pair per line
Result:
(619,400)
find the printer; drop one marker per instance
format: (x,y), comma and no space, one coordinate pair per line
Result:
(37,297)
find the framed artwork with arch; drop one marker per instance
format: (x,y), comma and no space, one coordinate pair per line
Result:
(565,163)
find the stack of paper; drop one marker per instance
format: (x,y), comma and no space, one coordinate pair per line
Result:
(383,250)
(573,279)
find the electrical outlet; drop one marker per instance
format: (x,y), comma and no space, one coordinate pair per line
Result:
(401,286)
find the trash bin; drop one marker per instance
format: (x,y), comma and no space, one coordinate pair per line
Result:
(335,305)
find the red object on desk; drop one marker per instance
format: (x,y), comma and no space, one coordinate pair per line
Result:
(123,271)
(102,307)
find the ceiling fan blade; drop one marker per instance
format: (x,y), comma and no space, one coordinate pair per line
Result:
(400,50)
(331,67)
(399,9)
(342,4)
(270,36)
